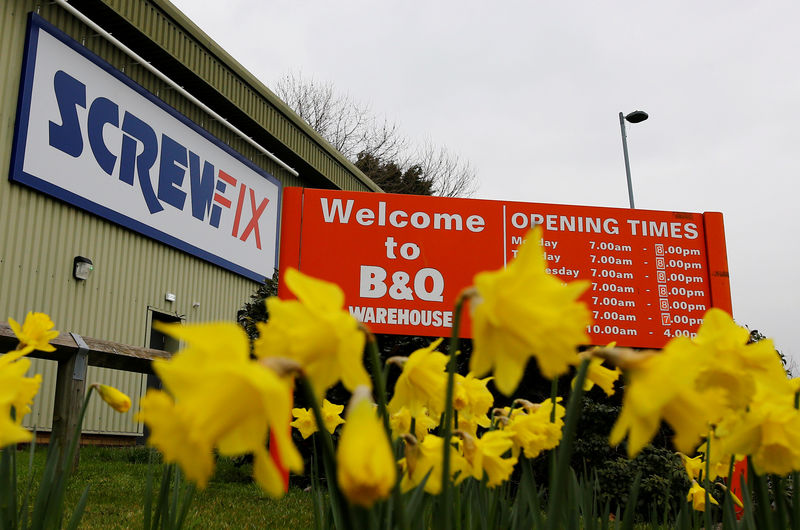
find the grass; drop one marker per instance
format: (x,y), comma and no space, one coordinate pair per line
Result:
(117,479)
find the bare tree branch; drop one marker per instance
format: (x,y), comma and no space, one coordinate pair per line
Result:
(348,126)
(354,130)
(451,175)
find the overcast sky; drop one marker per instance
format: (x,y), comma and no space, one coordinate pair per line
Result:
(530,93)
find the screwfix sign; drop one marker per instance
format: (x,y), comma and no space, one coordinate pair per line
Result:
(402,259)
(90,136)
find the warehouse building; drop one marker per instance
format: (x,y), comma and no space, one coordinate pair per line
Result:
(145,168)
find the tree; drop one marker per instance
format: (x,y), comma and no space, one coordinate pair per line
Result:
(255,310)
(789,364)
(449,174)
(391,178)
(349,126)
(355,131)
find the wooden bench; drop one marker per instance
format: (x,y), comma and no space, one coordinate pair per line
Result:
(74,354)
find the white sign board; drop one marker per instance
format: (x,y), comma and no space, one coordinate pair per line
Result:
(90,136)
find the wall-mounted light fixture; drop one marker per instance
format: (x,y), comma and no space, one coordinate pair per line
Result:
(81,267)
(169,297)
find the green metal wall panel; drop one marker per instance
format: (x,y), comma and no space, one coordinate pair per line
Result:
(157,19)
(40,236)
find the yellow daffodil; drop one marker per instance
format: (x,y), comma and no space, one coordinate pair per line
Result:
(400,423)
(727,361)
(10,432)
(697,496)
(331,415)
(597,374)
(693,466)
(521,311)
(695,382)
(304,422)
(35,333)
(174,434)
(16,391)
(469,424)
(769,432)
(422,384)
(316,331)
(115,399)
(307,425)
(662,386)
(472,399)
(366,470)
(425,459)
(225,401)
(718,460)
(507,413)
(533,431)
(485,456)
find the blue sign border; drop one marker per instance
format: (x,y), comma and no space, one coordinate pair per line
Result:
(35,25)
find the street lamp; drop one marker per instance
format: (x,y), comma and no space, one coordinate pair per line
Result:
(636,116)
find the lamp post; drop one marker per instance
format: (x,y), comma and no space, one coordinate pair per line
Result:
(634,117)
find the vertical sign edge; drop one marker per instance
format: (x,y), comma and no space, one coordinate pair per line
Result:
(717,256)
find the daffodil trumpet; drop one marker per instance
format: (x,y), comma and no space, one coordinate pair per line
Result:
(366,469)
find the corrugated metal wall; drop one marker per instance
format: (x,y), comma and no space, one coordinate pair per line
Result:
(237,85)
(40,236)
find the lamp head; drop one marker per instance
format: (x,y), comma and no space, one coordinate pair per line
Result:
(637,116)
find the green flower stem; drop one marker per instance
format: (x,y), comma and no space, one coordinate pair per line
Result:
(308,393)
(707,483)
(762,498)
(553,396)
(796,482)
(730,468)
(49,504)
(8,487)
(448,410)
(795,502)
(378,375)
(558,481)
(730,483)
(340,506)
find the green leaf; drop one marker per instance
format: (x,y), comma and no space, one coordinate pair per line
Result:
(22,519)
(565,448)
(8,488)
(148,493)
(162,504)
(765,520)
(47,487)
(77,513)
(186,502)
(795,500)
(630,509)
(416,496)
(728,513)
(749,517)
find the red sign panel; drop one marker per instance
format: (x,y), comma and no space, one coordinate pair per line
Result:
(402,259)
